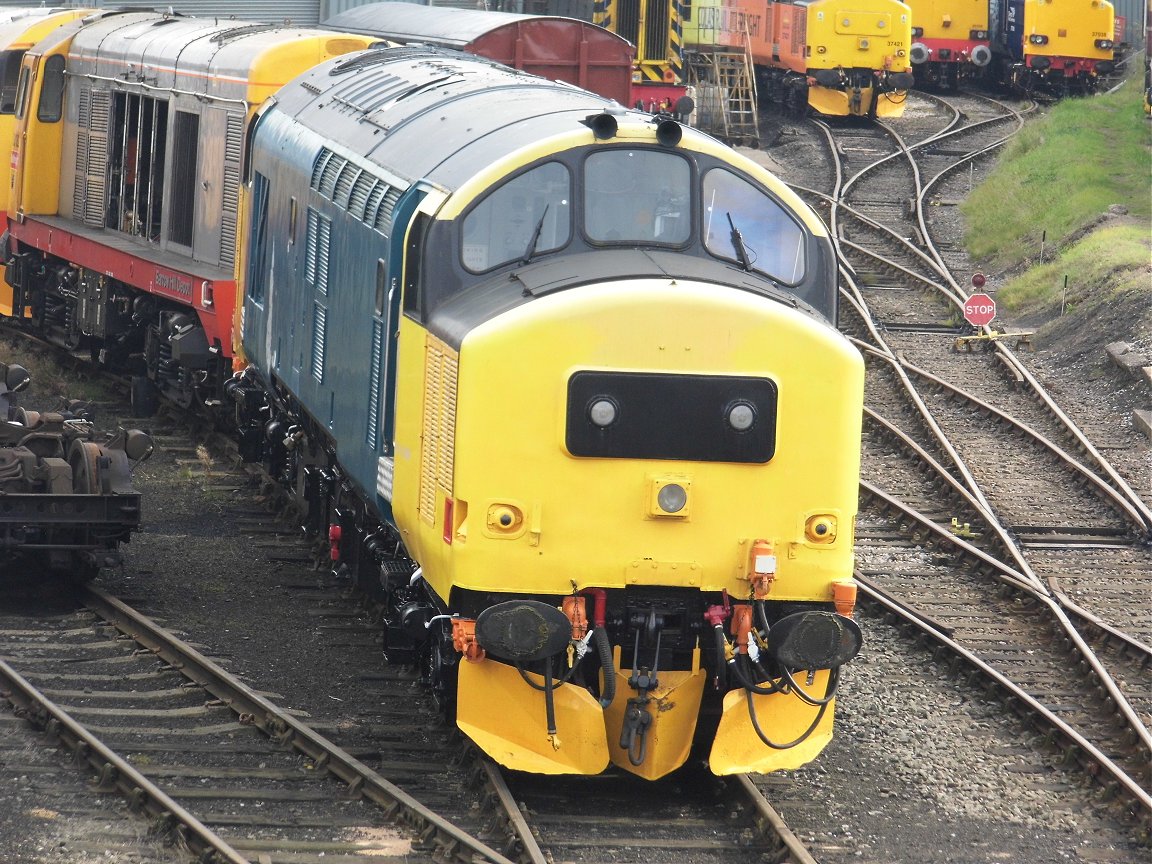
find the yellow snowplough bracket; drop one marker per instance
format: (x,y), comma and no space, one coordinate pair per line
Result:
(507,720)
(783,717)
(673,707)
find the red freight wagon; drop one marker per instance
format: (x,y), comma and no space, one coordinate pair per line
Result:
(562,49)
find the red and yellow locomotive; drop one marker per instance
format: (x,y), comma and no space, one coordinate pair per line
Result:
(950,41)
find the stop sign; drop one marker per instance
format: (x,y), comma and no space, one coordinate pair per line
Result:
(979,309)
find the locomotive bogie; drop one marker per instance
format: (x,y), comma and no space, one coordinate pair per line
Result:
(68,497)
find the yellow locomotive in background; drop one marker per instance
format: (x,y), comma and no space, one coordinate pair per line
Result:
(1053,48)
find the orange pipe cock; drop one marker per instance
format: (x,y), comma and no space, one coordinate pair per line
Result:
(742,626)
(844,596)
(464,639)
(574,608)
(762,567)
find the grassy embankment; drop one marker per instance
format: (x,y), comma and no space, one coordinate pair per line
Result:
(1057,184)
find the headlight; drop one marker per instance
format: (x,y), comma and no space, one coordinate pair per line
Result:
(672,497)
(1104,44)
(977,34)
(1037,39)
(917,32)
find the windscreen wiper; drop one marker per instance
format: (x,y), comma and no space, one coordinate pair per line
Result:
(738,244)
(531,250)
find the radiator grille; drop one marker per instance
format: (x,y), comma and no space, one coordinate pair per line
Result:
(319,336)
(438,448)
(355,189)
(374,384)
(343,191)
(91,157)
(656,25)
(316,254)
(233,145)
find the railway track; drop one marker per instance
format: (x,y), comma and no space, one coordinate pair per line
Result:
(615,817)
(217,767)
(1004,474)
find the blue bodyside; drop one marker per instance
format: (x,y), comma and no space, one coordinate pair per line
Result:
(1006,23)
(310,317)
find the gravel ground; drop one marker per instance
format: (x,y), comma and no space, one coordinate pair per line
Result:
(906,779)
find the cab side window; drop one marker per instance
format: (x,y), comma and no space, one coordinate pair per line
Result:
(52,91)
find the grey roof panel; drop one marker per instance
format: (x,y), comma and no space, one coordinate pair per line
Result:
(424,112)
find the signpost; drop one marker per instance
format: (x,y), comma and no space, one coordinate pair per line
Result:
(980,308)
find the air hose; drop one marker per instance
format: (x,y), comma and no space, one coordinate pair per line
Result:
(604,652)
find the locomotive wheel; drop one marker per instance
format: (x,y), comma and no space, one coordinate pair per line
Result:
(145,399)
(84,459)
(26,418)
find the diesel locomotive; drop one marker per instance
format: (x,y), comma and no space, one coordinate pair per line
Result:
(840,60)
(1051,47)
(951,42)
(559,381)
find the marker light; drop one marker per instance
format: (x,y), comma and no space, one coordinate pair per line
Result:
(741,416)
(602,411)
(821,528)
